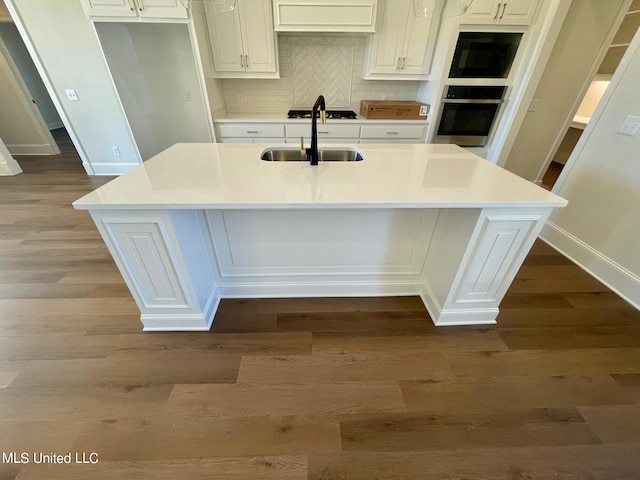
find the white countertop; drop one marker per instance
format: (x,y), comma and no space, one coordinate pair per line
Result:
(232,176)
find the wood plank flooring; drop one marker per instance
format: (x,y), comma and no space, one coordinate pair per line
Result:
(292,389)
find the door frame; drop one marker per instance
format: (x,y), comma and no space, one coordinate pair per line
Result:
(49,146)
(49,86)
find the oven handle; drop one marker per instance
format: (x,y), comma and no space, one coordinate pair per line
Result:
(468,100)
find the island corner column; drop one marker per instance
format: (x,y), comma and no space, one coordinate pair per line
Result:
(166,261)
(474,256)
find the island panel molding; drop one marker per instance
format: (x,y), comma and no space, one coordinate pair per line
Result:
(468,271)
(198,223)
(165,260)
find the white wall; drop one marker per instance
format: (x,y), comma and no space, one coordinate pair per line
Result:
(154,70)
(567,75)
(67,49)
(14,44)
(600,228)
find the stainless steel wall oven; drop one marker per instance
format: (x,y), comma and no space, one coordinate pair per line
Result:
(468,114)
(484,54)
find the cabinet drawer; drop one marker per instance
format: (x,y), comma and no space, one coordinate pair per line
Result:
(250,130)
(391,131)
(324,131)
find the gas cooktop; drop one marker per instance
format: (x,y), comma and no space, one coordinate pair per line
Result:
(350,114)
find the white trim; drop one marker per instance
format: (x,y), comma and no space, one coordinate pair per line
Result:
(31,149)
(48,145)
(8,165)
(110,168)
(622,281)
(187,322)
(349,288)
(44,74)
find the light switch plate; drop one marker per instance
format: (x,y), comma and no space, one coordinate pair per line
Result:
(71,94)
(630,126)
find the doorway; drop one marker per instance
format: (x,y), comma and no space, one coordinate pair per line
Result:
(594,94)
(30,122)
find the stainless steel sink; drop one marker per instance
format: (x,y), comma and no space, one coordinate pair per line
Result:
(324,155)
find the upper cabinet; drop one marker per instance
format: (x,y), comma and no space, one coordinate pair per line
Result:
(501,12)
(402,47)
(347,16)
(243,42)
(136,8)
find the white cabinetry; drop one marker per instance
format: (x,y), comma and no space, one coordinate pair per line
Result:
(403,44)
(345,131)
(135,8)
(243,43)
(328,133)
(503,12)
(348,16)
(393,133)
(250,132)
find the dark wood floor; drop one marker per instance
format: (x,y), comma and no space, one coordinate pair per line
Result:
(322,389)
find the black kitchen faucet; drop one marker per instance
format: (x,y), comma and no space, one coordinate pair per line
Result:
(313,150)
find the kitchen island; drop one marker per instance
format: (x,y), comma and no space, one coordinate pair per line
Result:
(202,222)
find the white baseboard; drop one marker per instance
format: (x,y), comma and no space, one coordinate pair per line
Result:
(175,323)
(319,289)
(622,281)
(39,149)
(449,317)
(112,168)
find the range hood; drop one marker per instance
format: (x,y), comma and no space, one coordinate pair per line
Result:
(332,16)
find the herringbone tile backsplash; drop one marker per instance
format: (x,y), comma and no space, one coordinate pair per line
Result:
(311,65)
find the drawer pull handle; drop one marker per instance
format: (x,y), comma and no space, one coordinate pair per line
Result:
(323,132)
(392,133)
(253,131)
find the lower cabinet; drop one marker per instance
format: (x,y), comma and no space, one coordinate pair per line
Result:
(328,133)
(250,132)
(343,132)
(393,133)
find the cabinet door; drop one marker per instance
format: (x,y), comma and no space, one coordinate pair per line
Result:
(135,8)
(386,43)
(482,12)
(257,34)
(161,9)
(226,40)
(518,12)
(110,8)
(418,44)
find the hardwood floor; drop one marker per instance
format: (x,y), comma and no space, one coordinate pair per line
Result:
(322,389)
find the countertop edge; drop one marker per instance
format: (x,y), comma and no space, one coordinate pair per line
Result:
(317,206)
